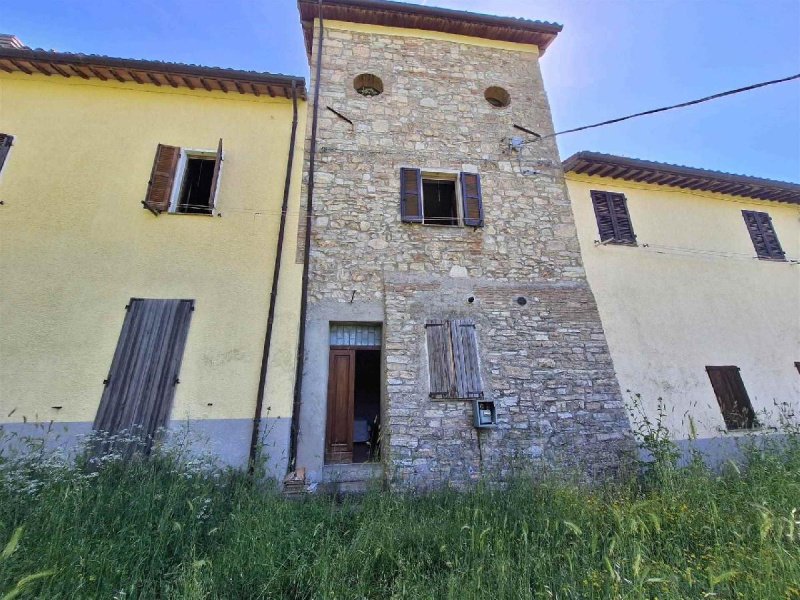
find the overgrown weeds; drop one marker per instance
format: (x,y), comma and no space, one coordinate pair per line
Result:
(170,527)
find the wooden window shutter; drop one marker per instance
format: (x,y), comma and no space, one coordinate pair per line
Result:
(144,371)
(613,219)
(6,141)
(762,233)
(215,178)
(411,209)
(440,359)
(465,359)
(732,397)
(159,188)
(472,199)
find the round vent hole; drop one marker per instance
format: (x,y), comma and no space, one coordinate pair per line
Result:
(497,97)
(368,85)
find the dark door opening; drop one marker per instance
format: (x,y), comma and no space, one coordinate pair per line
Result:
(354,400)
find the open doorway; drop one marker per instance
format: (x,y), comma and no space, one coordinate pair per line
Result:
(354,395)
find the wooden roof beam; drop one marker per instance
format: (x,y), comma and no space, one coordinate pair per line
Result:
(97,74)
(20,66)
(117,76)
(135,77)
(169,79)
(41,69)
(79,72)
(205,84)
(153,79)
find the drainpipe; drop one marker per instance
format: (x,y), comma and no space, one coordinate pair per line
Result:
(273,295)
(301,342)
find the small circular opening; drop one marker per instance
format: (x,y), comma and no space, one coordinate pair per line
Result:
(471,299)
(497,97)
(368,85)
(522,301)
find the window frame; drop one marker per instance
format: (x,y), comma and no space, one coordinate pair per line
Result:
(443,175)
(180,173)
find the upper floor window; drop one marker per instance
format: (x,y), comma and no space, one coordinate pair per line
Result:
(613,219)
(737,411)
(765,240)
(6,141)
(437,198)
(184,181)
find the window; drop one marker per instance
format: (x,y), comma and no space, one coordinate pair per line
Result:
(184,181)
(435,198)
(765,241)
(732,397)
(453,359)
(6,141)
(613,219)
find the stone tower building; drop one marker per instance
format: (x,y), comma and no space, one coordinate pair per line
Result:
(450,332)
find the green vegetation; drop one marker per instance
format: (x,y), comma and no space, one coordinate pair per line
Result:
(169,528)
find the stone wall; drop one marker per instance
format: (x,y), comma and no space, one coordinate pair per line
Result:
(546,364)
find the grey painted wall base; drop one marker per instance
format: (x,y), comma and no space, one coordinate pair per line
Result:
(718,450)
(226,441)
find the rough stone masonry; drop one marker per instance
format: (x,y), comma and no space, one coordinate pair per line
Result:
(545,363)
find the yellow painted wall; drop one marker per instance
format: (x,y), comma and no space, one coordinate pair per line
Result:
(76,244)
(691,295)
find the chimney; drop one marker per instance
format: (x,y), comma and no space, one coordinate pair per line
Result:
(10,41)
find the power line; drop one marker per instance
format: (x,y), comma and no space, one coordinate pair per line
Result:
(665,108)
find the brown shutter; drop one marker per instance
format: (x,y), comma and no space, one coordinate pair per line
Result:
(472,199)
(465,358)
(411,209)
(613,219)
(6,141)
(159,188)
(215,178)
(762,233)
(144,371)
(732,397)
(440,359)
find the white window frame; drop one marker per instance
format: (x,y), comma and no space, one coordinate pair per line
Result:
(444,175)
(180,173)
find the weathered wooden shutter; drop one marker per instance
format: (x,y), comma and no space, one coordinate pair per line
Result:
(465,359)
(411,209)
(6,142)
(472,199)
(732,397)
(613,219)
(144,371)
(215,178)
(159,188)
(440,359)
(765,240)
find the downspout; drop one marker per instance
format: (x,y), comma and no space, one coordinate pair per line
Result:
(301,342)
(273,295)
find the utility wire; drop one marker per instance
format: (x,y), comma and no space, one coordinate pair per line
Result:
(665,108)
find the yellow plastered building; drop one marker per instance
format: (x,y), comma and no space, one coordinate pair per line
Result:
(107,166)
(697,279)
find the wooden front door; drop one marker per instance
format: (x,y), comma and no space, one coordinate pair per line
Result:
(341,382)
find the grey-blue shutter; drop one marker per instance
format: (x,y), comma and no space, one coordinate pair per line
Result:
(613,219)
(472,199)
(144,371)
(411,208)
(762,233)
(440,359)
(465,359)
(6,142)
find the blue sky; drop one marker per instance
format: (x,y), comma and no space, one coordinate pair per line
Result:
(614,57)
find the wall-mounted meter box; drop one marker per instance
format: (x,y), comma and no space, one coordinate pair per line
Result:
(485,413)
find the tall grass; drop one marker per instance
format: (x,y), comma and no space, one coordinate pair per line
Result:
(171,528)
